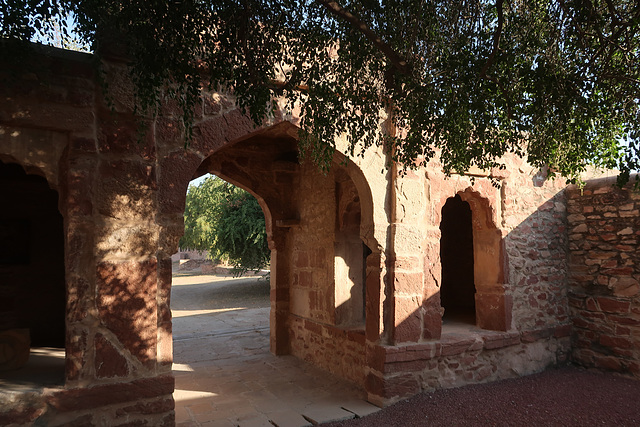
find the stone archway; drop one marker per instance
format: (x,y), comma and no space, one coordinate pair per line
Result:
(302,207)
(266,165)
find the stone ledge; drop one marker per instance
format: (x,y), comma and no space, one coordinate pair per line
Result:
(410,356)
(148,396)
(93,397)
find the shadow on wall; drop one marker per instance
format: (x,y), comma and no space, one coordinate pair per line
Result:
(132,312)
(127,306)
(350,281)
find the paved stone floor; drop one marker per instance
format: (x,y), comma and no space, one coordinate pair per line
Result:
(225,375)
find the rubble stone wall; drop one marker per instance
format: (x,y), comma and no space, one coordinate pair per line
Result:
(604,236)
(334,349)
(459,359)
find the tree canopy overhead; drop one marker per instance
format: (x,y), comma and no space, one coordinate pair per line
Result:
(557,81)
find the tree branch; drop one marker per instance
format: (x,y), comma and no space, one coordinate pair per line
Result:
(496,40)
(614,14)
(496,46)
(398,62)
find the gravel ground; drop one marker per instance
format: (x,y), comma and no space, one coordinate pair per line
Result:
(566,396)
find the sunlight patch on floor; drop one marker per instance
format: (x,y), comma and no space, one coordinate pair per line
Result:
(182,367)
(204,278)
(188,395)
(186,313)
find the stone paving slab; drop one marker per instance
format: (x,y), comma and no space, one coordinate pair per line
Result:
(288,419)
(319,413)
(360,408)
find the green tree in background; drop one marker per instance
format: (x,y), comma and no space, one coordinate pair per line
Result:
(554,81)
(227,222)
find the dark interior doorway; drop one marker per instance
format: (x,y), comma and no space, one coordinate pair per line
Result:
(457,293)
(32,282)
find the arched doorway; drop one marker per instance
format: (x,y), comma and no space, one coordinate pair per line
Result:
(308,217)
(32,284)
(473,263)
(457,293)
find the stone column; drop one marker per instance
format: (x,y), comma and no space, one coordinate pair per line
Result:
(279,294)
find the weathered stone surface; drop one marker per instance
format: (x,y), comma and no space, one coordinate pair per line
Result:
(127,305)
(76,354)
(122,136)
(122,240)
(109,362)
(336,350)
(126,190)
(493,311)
(609,288)
(176,170)
(217,130)
(408,319)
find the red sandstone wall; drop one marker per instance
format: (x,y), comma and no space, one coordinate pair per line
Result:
(118,369)
(520,258)
(604,235)
(313,334)
(122,200)
(339,351)
(311,244)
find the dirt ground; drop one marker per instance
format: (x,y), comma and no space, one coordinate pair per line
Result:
(234,292)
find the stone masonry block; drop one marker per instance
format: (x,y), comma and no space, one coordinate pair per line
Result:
(409,284)
(126,190)
(118,240)
(127,305)
(408,319)
(109,362)
(175,172)
(493,311)
(610,305)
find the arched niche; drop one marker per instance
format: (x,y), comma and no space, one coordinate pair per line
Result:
(492,305)
(350,252)
(356,251)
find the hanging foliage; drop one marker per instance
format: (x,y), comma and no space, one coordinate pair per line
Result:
(557,82)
